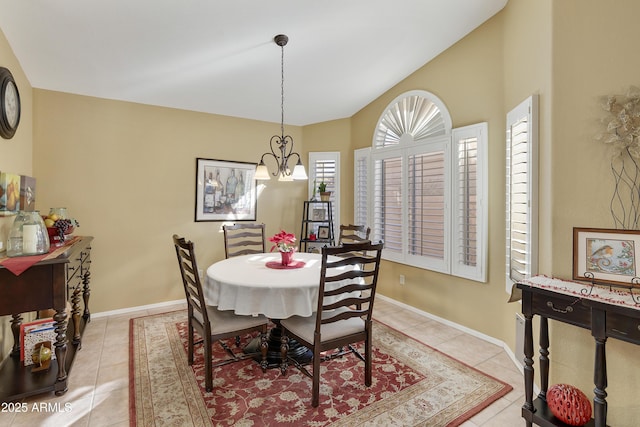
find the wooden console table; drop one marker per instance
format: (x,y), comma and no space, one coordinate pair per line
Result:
(607,313)
(49,284)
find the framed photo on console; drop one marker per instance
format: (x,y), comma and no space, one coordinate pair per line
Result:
(606,256)
(225,190)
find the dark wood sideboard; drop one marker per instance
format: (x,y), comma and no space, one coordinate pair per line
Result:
(49,284)
(603,319)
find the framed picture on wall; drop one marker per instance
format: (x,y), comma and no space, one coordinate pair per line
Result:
(225,190)
(606,256)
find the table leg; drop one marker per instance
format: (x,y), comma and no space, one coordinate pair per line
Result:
(75,316)
(528,366)
(85,296)
(600,380)
(16,321)
(544,358)
(60,317)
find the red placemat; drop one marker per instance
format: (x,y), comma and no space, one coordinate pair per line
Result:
(277,265)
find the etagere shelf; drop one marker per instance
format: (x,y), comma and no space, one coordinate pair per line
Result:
(317,217)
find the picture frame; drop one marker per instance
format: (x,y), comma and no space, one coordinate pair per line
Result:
(318,214)
(323,232)
(225,190)
(606,256)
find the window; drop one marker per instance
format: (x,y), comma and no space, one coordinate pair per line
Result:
(522,192)
(427,185)
(325,167)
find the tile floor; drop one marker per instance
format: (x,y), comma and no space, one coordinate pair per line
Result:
(98,393)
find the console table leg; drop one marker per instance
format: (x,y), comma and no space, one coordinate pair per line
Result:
(528,365)
(75,316)
(544,358)
(61,351)
(16,321)
(85,295)
(600,380)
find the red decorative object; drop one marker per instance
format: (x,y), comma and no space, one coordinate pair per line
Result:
(569,404)
(287,257)
(277,265)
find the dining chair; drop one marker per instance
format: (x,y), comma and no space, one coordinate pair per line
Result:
(243,239)
(213,324)
(353,234)
(335,323)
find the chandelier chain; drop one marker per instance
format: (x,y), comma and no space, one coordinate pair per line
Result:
(282,90)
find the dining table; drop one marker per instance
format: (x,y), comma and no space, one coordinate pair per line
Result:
(259,284)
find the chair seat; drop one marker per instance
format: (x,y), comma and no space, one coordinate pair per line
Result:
(304,327)
(224,322)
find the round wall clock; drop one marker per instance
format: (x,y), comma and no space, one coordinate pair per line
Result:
(9,104)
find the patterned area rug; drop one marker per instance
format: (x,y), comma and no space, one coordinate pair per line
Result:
(413,385)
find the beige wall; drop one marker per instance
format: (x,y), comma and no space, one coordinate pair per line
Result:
(126,171)
(15,157)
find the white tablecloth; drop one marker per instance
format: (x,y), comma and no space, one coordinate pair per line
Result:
(247,286)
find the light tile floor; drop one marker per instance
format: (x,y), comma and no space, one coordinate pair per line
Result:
(98,393)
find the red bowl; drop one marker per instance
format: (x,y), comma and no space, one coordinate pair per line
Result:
(53,231)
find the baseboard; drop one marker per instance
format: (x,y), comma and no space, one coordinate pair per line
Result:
(462,328)
(138,308)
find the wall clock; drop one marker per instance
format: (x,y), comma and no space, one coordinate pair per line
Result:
(9,104)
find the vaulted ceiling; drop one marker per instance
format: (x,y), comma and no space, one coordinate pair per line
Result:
(219,56)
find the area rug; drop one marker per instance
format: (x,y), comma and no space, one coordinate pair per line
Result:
(413,385)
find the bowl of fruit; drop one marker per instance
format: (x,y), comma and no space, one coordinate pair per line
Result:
(58,227)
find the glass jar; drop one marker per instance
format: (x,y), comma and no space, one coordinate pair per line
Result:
(28,235)
(60,212)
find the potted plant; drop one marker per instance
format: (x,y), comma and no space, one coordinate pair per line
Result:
(324,194)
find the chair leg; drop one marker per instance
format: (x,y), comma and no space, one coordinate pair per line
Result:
(190,344)
(315,394)
(264,347)
(368,356)
(284,350)
(208,370)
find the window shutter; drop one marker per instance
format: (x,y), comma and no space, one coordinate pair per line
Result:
(387,204)
(426,205)
(361,186)
(325,167)
(470,210)
(521,192)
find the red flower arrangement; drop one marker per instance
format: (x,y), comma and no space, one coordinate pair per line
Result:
(283,241)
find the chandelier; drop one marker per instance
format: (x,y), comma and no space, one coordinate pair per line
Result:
(281,146)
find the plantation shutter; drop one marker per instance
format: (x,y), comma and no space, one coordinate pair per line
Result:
(521,192)
(361,187)
(469,210)
(325,167)
(387,205)
(426,205)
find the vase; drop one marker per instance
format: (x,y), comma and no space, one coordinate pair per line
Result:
(287,258)
(28,235)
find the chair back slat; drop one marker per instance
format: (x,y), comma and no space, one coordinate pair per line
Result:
(249,237)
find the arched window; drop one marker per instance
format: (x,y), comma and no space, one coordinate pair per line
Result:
(426,182)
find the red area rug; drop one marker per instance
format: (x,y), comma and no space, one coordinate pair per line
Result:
(413,384)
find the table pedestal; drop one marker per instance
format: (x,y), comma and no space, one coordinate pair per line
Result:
(297,351)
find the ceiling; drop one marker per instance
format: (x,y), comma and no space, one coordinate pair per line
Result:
(219,56)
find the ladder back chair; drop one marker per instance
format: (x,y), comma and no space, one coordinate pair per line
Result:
(336,324)
(243,239)
(210,323)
